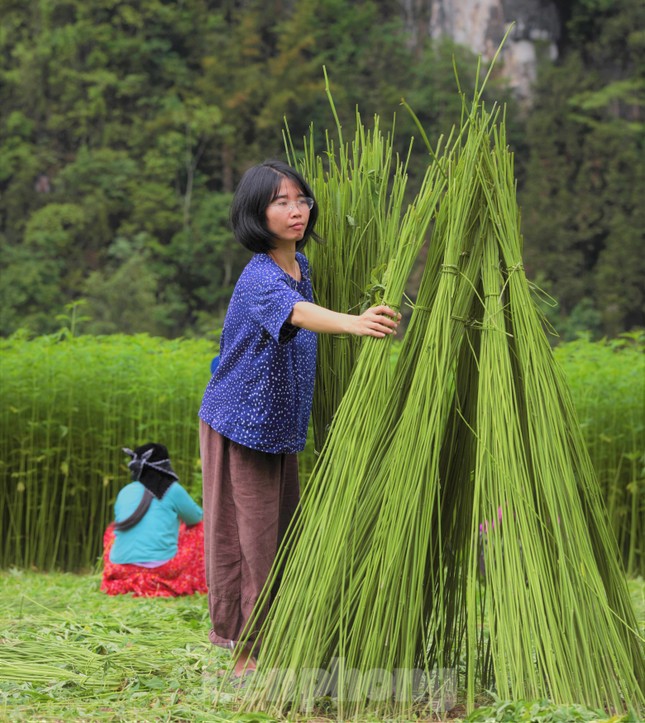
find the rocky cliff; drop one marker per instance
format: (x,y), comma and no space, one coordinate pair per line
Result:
(481,25)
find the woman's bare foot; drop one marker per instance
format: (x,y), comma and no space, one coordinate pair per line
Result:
(245,663)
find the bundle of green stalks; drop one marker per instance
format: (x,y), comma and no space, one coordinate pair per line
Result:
(468,461)
(360,188)
(552,566)
(332,626)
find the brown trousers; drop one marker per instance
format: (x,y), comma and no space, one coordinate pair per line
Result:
(249,498)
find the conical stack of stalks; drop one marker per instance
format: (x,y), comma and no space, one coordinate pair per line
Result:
(452,534)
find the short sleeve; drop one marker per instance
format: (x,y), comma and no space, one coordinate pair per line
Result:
(273,304)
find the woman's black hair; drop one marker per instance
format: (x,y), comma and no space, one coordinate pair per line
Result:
(258,187)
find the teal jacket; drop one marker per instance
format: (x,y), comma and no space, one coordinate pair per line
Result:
(154,537)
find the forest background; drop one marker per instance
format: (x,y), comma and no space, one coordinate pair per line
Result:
(125,127)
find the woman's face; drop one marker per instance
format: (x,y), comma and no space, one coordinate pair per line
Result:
(288,214)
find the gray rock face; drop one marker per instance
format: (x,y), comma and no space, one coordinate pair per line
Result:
(481,25)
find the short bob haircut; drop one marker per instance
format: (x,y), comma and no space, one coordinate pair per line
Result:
(258,188)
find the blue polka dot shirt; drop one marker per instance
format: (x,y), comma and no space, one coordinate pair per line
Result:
(261,392)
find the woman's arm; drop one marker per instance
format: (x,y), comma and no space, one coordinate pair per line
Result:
(187,509)
(376,321)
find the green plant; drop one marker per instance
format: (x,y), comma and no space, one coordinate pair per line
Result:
(70,403)
(607,382)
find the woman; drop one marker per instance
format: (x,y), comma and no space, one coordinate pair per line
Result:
(256,407)
(155,546)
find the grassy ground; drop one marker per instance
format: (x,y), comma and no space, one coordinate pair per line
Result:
(69,652)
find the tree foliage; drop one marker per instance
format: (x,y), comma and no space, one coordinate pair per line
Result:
(125,126)
(584,215)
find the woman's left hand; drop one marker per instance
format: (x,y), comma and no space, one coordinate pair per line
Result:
(377,321)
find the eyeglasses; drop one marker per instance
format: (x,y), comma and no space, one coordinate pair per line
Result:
(301,204)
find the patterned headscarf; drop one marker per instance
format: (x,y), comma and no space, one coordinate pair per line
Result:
(150,465)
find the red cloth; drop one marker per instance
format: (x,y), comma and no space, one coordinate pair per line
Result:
(183,575)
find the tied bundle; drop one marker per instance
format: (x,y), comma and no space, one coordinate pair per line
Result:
(452,536)
(360,188)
